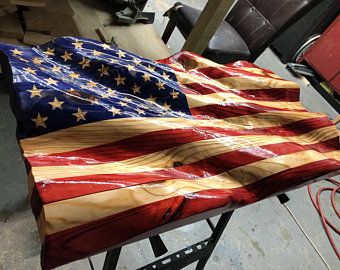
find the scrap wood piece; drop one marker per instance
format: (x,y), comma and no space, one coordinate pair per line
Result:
(29,3)
(59,7)
(104,35)
(10,41)
(10,27)
(37,19)
(6,9)
(66,26)
(35,38)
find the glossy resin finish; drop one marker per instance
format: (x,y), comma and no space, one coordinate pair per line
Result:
(117,145)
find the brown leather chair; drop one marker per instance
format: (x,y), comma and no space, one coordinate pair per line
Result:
(248,29)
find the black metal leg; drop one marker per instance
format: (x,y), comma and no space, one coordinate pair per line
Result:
(200,251)
(216,235)
(202,262)
(111,259)
(168,30)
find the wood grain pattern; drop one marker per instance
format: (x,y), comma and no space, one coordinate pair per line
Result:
(241,135)
(229,98)
(186,154)
(237,83)
(69,213)
(113,130)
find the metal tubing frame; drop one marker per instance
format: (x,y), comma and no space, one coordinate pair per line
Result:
(200,251)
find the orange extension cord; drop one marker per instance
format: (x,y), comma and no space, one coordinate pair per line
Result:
(317,203)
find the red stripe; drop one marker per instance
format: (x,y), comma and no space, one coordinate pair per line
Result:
(55,189)
(165,139)
(216,73)
(234,109)
(245,64)
(272,94)
(72,244)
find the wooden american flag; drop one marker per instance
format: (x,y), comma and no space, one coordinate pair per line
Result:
(116,145)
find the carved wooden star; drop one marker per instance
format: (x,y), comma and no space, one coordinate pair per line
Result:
(136,61)
(120,80)
(166,76)
(96,53)
(85,63)
(77,44)
(16,52)
(151,99)
(56,68)
(123,104)
(74,75)
(74,92)
(29,70)
(166,106)
(136,89)
(140,111)
(51,81)
(121,54)
(111,93)
(160,85)
(105,46)
(174,94)
(40,121)
(81,115)
(104,71)
(91,84)
(35,92)
(67,56)
(130,68)
(114,111)
(37,61)
(49,51)
(146,77)
(56,104)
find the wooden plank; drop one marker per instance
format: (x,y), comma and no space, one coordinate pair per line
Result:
(7,9)
(104,35)
(34,38)
(140,39)
(29,3)
(55,24)
(36,19)
(206,26)
(86,19)
(59,7)
(10,27)
(66,26)
(10,41)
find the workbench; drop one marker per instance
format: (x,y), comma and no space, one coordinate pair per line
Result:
(140,39)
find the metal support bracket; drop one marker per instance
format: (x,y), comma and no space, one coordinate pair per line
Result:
(200,251)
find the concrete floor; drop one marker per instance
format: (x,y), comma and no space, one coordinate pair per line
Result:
(260,236)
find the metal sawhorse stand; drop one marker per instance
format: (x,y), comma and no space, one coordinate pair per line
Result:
(200,251)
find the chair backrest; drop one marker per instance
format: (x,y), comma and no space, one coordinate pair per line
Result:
(259,22)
